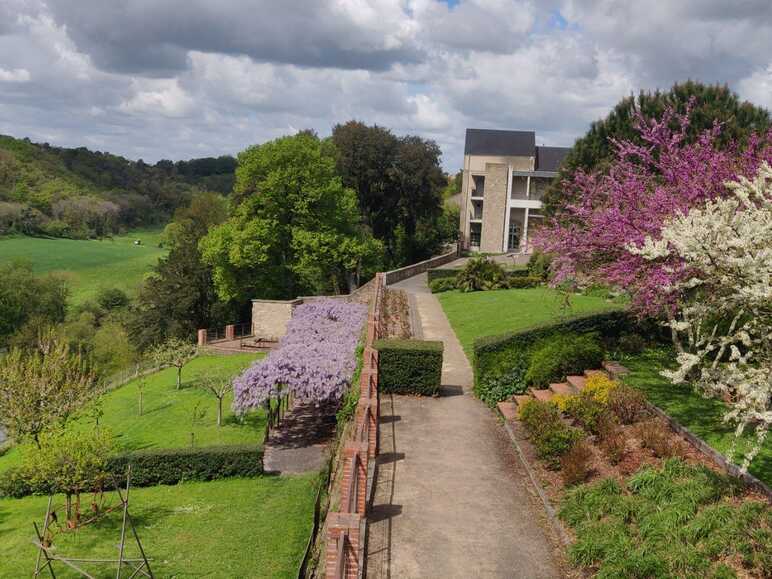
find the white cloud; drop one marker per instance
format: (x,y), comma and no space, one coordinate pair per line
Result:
(758,87)
(14,75)
(180,78)
(158,97)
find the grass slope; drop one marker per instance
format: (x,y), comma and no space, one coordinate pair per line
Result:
(487,313)
(230,528)
(702,416)
(167,412)
(88,265)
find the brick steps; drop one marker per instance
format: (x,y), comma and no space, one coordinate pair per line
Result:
(542,395)
(572,385)
(563,388)
(615,368)
(578,382)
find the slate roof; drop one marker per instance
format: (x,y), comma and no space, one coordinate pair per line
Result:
(549,158)
(498,142)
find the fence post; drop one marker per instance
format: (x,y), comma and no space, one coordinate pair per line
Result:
(202,338)
(342,526)
(230,332)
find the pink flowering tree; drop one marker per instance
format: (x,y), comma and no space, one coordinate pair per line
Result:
(644,186)
(315,359)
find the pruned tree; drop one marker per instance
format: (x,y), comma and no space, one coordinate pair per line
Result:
(176,353)
(218,387)
(42,388)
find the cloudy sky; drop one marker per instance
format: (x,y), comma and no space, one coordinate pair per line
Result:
(177,79)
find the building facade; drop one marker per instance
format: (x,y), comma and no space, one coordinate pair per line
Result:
(505,176)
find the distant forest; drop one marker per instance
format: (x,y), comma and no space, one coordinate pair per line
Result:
(78,193)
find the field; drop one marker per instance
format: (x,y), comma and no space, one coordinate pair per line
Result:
(229,528)
(166,421)
(702,416)
(487,313)
(88,265)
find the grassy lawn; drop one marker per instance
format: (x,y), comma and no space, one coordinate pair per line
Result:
(89,265)
(231,528)
(702,416)
(167,412)
(487,313)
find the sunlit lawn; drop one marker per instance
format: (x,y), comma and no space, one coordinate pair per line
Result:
(487,313)
(167,418)
(228,528)
(89,265)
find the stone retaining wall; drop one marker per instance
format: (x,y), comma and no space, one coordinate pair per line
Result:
(396,275)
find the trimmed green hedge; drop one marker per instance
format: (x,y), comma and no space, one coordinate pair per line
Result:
(409,366)
(500,362)
(171,466)
(160,467)
(441,273)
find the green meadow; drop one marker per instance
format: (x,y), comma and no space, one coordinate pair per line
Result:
(89,265)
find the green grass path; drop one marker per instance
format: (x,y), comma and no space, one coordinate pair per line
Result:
(230,528)
(487,313)
(89,265)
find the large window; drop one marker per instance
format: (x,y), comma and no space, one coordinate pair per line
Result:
(478,185)
(475,231)
(513,241)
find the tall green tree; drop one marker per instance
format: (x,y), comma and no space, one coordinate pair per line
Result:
(399,184)
(709,104)
(179,297)
(296,228)
(28,299)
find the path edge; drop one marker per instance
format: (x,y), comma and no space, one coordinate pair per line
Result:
(552,516)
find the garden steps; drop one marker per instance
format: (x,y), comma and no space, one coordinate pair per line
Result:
(615,368)
(521,399)
(508,410)
(544,395)
(578,382)
(563,388)
(591,373)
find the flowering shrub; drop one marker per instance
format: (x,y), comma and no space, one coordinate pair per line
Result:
(315,360)
(600,386)
(644,187)
(723,330)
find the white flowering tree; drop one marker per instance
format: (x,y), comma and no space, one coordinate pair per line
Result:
(723,328)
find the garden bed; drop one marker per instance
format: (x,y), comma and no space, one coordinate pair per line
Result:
(659,508)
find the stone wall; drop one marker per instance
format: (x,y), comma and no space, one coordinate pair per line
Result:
(396,275)
(494,208)
(270,317)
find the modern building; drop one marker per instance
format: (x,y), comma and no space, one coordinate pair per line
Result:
(505,176)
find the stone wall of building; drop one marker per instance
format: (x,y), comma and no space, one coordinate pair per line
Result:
(270,317)
(494,207)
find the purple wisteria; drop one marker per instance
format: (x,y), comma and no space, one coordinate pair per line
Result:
(314,361)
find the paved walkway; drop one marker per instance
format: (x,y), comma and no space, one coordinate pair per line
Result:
(451,500)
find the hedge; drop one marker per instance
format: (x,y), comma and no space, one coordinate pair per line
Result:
(160,467)
(409,366)
(445,273)
(506,357)
(440,273)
